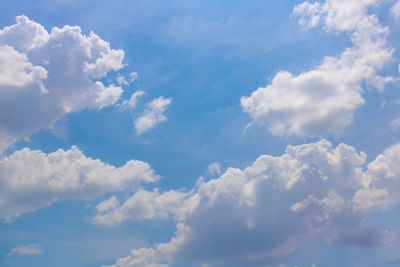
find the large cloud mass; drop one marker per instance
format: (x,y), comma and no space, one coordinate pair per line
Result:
(44,76)
(30,179)
(273,208)
(322,101)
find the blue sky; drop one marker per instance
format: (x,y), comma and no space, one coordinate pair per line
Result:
(199,133)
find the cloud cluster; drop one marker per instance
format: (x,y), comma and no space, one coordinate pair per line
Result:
(46,75)
(273,208)
(31,179)
(43,77)
(322,101)
(262,214)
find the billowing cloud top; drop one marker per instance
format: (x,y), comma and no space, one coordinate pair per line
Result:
(322,101)
(44,76)
(276,206)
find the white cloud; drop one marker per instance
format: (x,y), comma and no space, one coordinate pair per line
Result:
(107,96)
(276,206)
(107,204)
(133,76)
(143,258)
(395,124)
(17,71)
(396,10)
(31,249)
(131,103)
(32,179)
(322,101)
(382,184)
(121,80)
(153,115)
(55,70)
(214,168)
(143,205)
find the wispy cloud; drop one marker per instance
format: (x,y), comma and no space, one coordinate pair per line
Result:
(153,115)
(214,168)
(31,249)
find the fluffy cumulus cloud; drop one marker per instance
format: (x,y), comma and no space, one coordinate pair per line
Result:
(381,187)
(46,75)
(141,206)
(322,101)
(152,115)
(271,209)
(32,179)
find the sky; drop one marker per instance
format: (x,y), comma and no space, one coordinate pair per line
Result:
(199,133)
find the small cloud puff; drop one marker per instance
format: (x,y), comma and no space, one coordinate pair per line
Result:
(133,76)
(121,80)
(214,168)
(152,115)
(31,249)
(395,124)
(131,103)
